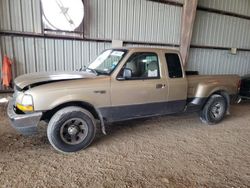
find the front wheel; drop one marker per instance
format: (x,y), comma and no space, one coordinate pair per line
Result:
(71,129)
(214,110)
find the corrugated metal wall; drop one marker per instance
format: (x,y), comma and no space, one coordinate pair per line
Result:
(38,54)
(20,15)
(131,20)
(209,61)
(218,30)
(234,6)
(221,30)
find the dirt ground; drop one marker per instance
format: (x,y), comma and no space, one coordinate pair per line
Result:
(171,151)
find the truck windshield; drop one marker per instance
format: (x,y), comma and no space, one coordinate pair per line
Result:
(107,61)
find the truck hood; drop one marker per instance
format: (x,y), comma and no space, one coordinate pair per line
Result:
(35,79)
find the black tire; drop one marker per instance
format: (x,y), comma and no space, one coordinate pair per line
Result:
(67,121)
(214,110)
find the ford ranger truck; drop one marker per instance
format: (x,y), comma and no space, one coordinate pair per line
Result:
(121,84)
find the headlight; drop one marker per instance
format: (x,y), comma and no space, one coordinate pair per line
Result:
(26,104)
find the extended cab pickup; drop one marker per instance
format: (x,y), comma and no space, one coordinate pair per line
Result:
(121,84)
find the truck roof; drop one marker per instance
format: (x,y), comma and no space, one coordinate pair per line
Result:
(148,48)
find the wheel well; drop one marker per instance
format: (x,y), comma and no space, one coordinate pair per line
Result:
(223,94)
(47,115)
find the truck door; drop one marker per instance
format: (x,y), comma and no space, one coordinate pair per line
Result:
(177,82)
(143,92)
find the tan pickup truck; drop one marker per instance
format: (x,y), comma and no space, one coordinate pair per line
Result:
(121,84)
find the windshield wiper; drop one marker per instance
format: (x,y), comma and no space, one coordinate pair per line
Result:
(97,72)
(92,70)
(102,72)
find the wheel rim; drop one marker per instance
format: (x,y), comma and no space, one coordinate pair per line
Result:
(74,131)
(217,110)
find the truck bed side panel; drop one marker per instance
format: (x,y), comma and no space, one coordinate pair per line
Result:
(200,88)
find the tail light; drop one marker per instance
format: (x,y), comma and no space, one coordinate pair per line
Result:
(239,85)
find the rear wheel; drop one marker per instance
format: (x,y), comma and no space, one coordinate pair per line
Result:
(71,129)
(214,110)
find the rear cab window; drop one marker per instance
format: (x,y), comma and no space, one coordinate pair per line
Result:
(174,65)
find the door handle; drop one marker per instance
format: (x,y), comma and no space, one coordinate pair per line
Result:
(160,86)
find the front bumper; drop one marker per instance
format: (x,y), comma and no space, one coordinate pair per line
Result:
(26,124)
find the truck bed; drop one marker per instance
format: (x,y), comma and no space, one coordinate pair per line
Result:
(204,85)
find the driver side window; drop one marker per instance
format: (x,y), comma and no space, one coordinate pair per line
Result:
(143,65)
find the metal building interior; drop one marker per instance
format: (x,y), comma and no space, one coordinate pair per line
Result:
(169,151)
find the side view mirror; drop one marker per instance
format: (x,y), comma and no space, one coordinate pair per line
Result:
(127,73)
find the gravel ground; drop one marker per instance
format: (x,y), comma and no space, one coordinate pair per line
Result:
(171,151)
